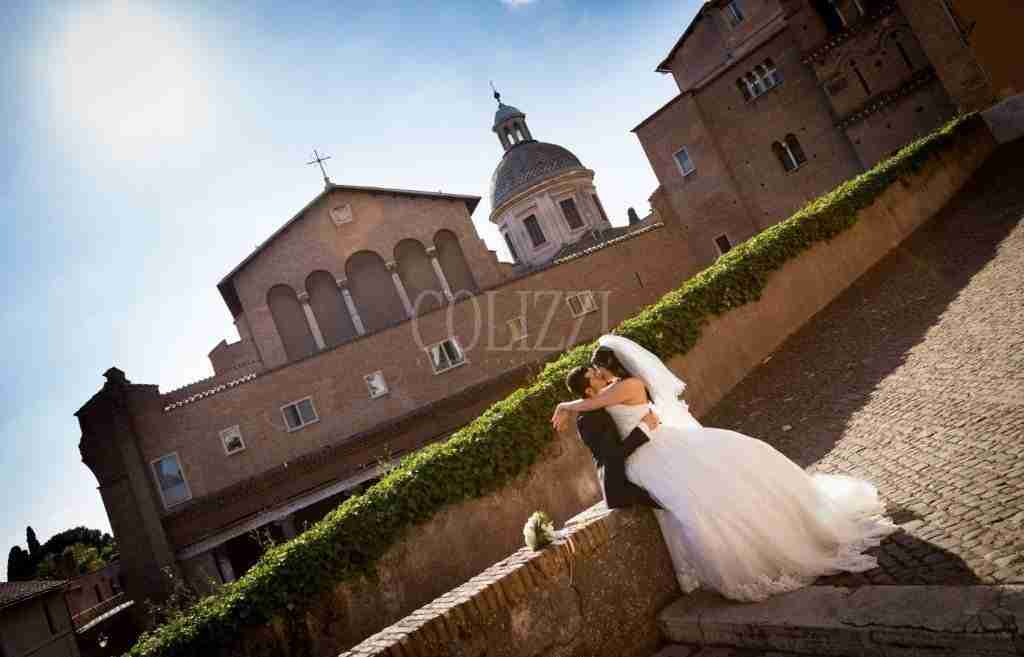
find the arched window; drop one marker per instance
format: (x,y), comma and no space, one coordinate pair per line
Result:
(418,276)
(756,83)
(510,135)
(291,323)
(789,152)
(733,13)
(780,152)
(329,308)
(373,291)
(793,144)
(741,84)
(454,265)
(762,74)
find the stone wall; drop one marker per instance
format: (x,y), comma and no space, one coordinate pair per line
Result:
(533,603)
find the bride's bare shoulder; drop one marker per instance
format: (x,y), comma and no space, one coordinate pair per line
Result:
(636,388)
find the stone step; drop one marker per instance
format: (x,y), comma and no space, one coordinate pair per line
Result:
(871,621)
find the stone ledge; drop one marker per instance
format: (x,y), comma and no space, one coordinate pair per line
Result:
(498,606)
(870,621)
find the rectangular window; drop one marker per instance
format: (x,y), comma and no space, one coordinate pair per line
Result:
(299,413)
(581,303)
(533,228)
(376,385)
(231,438)
(685,163)
(511,248)
(572,215)
(723,244)
(600,208)
(445,355)
(170,480)
(733,13)
(517,328)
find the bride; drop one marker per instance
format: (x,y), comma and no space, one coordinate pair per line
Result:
(748,522)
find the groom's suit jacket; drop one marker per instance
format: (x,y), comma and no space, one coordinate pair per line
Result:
(598,431)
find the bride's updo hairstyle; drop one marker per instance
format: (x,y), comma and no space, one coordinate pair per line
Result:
(606,358)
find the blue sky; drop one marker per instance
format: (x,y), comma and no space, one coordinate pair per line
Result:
(150,146)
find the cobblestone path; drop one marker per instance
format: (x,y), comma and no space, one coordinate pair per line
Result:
(914,379)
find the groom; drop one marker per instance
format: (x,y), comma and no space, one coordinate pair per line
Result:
(610,450)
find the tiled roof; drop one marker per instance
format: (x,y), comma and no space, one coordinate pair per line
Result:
(591,240)
(13,592)
(211,391)
(608,237)
(526,164)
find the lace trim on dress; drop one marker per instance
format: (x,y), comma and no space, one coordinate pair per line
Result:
(849,558)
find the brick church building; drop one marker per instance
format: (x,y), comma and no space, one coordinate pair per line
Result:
(781,100)
(373,322)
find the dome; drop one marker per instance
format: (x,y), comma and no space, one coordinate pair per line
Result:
(504,113)
(527,164)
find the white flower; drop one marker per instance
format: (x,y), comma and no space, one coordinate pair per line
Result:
(538,531)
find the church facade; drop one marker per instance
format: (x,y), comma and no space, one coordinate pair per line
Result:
(373,322)
(781,100)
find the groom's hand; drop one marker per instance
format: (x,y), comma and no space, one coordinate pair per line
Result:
(651,420)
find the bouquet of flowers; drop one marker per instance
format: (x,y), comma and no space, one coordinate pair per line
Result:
(539,531)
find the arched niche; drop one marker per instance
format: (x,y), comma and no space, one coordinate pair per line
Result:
(453,263)
(290,321)
(329,308)
(418,276)
(373,291)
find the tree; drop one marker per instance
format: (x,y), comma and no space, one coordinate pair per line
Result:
(33,542)
(19,565)
(74,551)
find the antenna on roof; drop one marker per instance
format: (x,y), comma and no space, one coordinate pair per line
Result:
(497,96)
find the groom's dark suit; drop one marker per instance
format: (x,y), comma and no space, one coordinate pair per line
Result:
(598,431)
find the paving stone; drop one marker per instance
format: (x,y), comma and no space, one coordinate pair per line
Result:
(918,386)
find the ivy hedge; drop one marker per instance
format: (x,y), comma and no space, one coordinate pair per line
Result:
(503,442)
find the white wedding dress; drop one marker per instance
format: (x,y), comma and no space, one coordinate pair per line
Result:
(740,517)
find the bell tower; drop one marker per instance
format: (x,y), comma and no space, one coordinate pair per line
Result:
(510,125)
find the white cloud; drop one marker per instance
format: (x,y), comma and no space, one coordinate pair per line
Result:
(517,3)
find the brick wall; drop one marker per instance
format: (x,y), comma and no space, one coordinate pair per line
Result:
(595,591)
(623,276)
(843,125)
(314,243)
